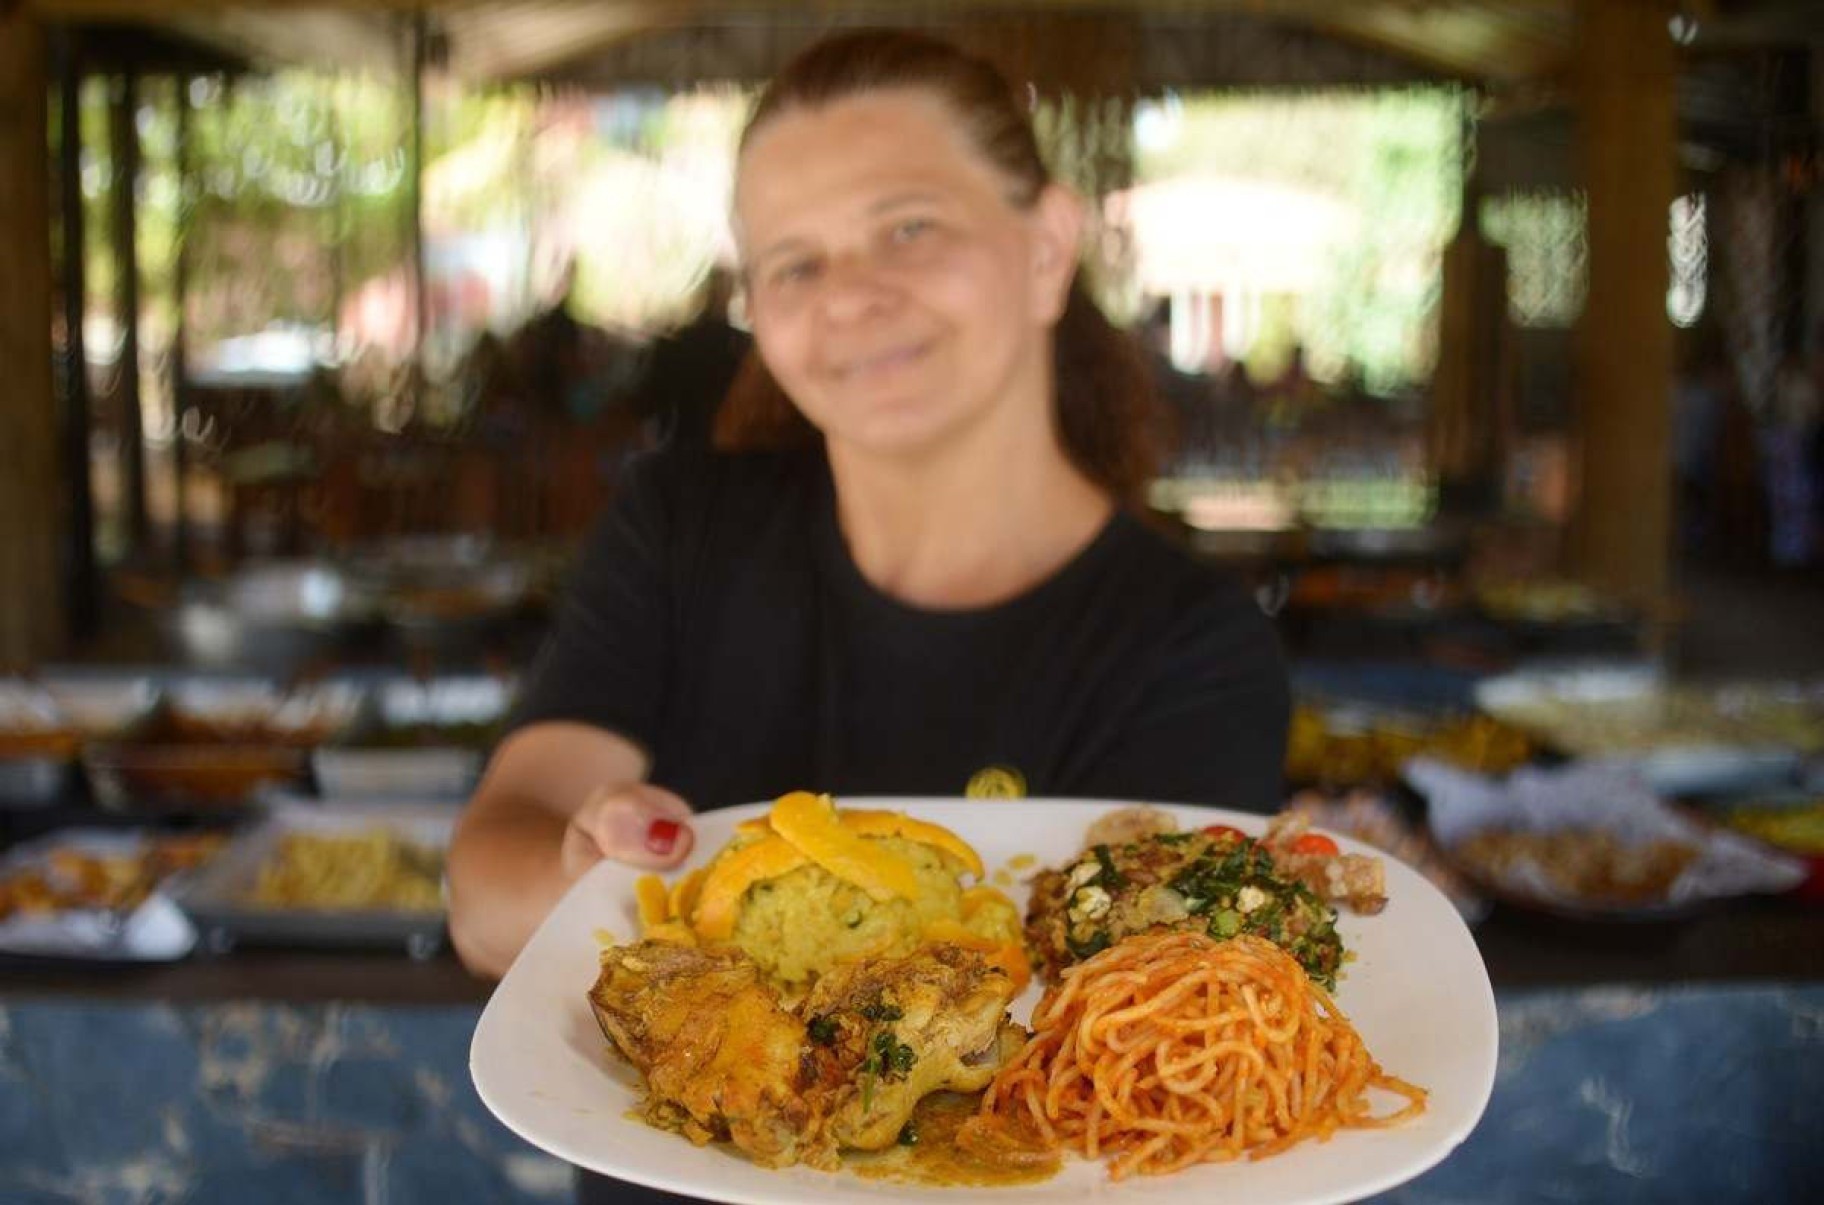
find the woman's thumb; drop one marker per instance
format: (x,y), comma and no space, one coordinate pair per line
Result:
(643,825)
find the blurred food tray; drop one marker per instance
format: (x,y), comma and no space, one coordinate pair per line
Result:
(1590,841)
(214,744)
(335,874)
(84,893)
(44,726)
(1686,739)
(427,740)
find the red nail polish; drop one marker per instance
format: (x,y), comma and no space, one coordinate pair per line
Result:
(661,835)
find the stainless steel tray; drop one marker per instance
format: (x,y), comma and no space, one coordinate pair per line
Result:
(38,745)
(30,783)
(87,713)
(429,740)
(148,929)
(216,742)
(219,898)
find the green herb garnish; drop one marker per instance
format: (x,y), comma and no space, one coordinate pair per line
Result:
(888,1060)
(1110,877)
(1094,944)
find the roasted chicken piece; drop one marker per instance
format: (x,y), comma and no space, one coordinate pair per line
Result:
(891,1031)
(721,1056)
(724,1059)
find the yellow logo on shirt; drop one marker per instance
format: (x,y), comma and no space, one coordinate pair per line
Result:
(996,782)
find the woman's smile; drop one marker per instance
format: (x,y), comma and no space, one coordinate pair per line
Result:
(875,366)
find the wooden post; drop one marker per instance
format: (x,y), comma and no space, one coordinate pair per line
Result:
(31,626)
(1469,427)
(421,301)
(30,607)
(123,135)
(1626,75)
(180,344)
(1814,214)
(82,590)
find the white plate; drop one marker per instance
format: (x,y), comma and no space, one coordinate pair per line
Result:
(1417,991)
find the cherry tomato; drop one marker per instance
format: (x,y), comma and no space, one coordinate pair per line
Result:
(1313,843)
(1221,831)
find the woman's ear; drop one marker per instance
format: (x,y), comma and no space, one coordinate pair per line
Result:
(1057,228)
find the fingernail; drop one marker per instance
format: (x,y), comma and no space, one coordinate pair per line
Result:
(661,835)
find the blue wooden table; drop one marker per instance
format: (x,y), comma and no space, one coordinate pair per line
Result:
(1605,1094)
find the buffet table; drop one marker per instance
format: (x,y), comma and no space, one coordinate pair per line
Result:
(1666,1062)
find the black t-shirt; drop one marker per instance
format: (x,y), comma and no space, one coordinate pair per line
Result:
(717,620)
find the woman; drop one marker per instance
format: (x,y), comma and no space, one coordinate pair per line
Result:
(919,571)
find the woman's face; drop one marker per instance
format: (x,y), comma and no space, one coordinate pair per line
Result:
(896,294)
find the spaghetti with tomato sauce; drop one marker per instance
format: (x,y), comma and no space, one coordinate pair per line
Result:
(1173,1049)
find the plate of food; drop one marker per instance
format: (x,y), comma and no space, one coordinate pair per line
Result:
(912,999)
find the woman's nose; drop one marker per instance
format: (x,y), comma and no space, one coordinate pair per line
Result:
(853,286)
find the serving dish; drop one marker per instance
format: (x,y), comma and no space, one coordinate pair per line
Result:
(98,894)
(213,745)
(44,726)
(1617,850)
(224,900)
(1686,740)
(426,740)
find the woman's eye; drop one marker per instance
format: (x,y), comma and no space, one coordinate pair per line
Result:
(793,272)
(911,229)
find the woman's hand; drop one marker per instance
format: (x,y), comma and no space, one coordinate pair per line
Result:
(639,824)
(540,818)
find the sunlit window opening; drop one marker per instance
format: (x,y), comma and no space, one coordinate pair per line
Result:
(1546,236)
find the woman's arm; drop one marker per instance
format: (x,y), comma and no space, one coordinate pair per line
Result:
(556,799)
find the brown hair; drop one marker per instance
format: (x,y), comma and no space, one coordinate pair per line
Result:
(1105,393)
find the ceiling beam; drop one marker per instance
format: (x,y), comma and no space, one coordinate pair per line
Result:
(371,43)
(519,40)
(1493,41)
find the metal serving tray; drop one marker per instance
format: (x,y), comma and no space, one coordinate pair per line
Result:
(218,898)
(43,728)
(151,929)
(429,741)
(217,743)
(1686,741)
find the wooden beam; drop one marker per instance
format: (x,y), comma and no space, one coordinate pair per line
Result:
(81,584)
(84,9)
(123,140)
(1497,43)
(361,41)
(509,42)
(1477,39)
(1626,77)
(30,618)
(180,342)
